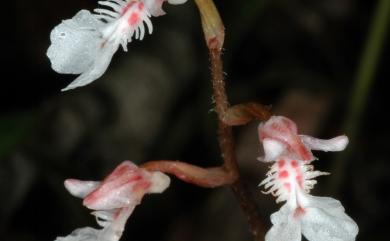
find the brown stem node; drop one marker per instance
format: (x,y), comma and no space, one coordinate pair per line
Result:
(242,114)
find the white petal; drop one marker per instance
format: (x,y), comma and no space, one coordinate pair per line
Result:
(160,182)
(74,43)
(335,144)
(81,234)
(154,7)
(80,188)
(285,226)
(175,2)
(272,150)
(98,67)
(325,220)
(85,20)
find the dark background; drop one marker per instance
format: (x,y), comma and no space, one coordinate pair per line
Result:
(154,102)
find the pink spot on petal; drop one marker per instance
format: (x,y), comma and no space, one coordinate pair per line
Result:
(281,163)
(126,173)
(283,174)
(294,163)
(133,19)
(299,212)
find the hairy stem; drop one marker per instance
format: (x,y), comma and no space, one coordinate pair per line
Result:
(225,134)
(228,173)
(227,146)
(214,33)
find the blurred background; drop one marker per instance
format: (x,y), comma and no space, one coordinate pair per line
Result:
(323,64)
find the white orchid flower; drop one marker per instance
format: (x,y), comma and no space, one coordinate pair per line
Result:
(290,180)
(113,200)
(86,43)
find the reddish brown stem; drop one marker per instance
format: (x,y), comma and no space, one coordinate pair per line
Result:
(204,177)
(226,143)
(229,173)
(249,207)
(225,134)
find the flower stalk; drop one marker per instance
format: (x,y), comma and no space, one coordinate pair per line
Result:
(214,33)
(204,177)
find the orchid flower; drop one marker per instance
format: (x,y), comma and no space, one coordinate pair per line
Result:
(113,200)
(86,43)
(279,136)
(290,180)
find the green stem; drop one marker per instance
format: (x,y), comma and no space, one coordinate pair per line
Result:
(364,79)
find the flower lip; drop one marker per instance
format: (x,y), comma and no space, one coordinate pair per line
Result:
(323,219)
(124,21)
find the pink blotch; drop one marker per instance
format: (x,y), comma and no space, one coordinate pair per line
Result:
(294,163)
(124,174)
(133,19)
(281,163)
(299,212)
(283,174)
(125,168)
